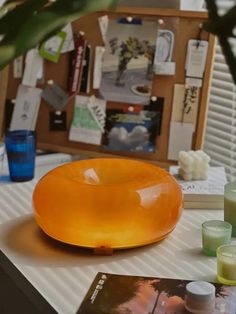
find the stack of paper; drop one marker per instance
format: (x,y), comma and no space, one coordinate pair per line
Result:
(203,193)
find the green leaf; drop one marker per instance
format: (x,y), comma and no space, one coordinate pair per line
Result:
(32,21)
(6,53)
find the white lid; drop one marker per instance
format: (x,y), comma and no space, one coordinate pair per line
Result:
(200,290)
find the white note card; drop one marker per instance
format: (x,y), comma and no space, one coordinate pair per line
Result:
(18,67)
(26,108)
(196,58)
(68,44)
(103,22)
(97,71)
(164,68)
(33,68)
(180,138)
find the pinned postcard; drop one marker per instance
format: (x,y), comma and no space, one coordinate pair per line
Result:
(26,108)
(127,67)
(133,130)
(85,128)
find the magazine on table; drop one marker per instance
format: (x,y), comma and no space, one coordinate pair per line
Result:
(127,294)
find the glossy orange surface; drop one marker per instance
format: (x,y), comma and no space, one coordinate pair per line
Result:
(116,203)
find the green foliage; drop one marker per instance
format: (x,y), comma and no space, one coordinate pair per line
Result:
(224,27)
(26,23)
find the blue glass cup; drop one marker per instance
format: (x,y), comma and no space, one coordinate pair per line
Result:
(21,150)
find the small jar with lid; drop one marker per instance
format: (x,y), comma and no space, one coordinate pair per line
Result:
(200,297)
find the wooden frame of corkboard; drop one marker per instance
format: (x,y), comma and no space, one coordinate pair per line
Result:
(184,24)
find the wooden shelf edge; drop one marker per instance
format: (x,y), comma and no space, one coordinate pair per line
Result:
(161,12)
(94,154)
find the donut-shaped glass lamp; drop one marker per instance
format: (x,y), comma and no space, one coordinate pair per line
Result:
(108,202)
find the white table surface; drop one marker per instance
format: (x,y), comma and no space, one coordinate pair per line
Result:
(63,274)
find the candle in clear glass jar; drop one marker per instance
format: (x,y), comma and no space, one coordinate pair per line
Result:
(226,264)
(230,205)
(214,234)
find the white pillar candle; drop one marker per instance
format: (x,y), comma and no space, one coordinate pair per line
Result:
(200,297)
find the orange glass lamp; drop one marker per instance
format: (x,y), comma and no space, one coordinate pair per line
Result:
(111,203)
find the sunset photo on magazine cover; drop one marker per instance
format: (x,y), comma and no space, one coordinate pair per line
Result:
(122,294)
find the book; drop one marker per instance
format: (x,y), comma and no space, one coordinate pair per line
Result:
(203,193)
(127,294)
(84,88)
(204,205)
(76,64)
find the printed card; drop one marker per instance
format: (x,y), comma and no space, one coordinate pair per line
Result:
(33,68)
(185,104)
(55,96)
(26,108)
(85,127)
(196,58)
(51,49)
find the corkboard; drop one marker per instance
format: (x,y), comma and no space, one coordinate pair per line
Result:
(185,26)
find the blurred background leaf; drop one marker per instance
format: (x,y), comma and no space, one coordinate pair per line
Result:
(224,27)
(25,24)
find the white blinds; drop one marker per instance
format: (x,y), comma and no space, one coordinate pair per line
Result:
(220,139)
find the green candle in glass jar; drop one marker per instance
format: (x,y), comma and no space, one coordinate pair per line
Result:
(230,205)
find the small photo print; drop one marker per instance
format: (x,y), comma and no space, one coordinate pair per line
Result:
(132,131)
(127,67)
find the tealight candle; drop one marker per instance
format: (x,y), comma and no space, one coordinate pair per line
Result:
(226,264)
(214,234)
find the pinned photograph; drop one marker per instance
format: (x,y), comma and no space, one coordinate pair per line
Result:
(127,67)
(133,130)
